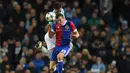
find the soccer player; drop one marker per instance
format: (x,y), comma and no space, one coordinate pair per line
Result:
(51,40)
(63,30)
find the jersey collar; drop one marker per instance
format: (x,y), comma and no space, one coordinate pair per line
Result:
(64,23)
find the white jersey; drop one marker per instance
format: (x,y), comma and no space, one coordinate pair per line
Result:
(51,42)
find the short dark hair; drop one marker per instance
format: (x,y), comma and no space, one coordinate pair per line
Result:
(59,14)
(57,5)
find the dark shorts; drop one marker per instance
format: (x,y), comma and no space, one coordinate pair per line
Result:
(64,49)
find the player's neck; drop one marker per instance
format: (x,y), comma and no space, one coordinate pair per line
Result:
(64,23)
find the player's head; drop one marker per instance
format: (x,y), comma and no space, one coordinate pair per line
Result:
(60,18)
(57,7)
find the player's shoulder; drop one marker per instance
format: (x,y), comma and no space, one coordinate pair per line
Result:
(69,22)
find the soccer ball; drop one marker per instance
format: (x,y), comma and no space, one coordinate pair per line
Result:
(50,16)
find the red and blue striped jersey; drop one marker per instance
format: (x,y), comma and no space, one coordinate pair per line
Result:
(63,33)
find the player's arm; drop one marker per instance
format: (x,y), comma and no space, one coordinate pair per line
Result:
(52,31)
(75,32)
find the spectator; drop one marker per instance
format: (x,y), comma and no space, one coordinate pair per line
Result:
(12,71)
(26,41)
(109,72)
(17,14)
(79,12)
(115,70)
(41,26)
(88,8)
(4,49)
(102,25)
(68,12)
(105,7)
(102,71)
(27,21)
(5,66)
(86,55)
(127,51)
(122,64)
(98,66)
(11,24)
(92,61)
(76,4)
(19,69)
(38,62)
(24,52)
(94,21)
(76,20)
(39,6)
(110,68)
(2,12)
(46,69)
(20,31)
(30,56)
(27,71)
(32,67)
(11,52)
(33,13)
(112,56)
(84,24)
(125,42)
(22,62)
(18,51)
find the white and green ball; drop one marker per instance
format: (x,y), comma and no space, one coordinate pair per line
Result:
(50,16)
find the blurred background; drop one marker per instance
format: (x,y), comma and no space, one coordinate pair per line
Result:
(103,46)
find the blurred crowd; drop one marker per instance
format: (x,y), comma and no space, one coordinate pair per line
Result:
(103,46)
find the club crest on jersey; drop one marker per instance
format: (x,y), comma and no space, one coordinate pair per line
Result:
(66,27)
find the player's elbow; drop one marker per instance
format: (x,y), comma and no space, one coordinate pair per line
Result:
(51,34)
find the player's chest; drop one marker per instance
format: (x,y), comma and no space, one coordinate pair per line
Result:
(62,28)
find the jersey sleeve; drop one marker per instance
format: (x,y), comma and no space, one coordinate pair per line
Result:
(72,26)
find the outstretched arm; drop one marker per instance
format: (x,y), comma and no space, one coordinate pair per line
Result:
(51,33)
(75,32)
(51,30)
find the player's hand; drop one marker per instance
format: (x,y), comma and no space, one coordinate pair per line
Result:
(38,45)
(75,34)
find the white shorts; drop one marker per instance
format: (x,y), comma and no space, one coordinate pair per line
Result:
(51,42)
